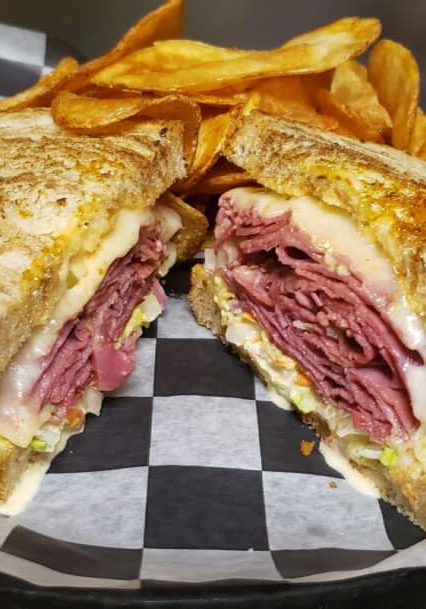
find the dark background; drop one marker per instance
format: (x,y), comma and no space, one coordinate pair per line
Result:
(93,26)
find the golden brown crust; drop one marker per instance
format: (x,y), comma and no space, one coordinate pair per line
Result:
(201,300)
(399,485)
(383,189)
(59,194)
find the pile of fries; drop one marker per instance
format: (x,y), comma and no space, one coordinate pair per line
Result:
(313,78)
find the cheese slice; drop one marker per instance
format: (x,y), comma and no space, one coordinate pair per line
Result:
(19,421)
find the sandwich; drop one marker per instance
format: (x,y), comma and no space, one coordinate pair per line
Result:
(317,279)
(82,247)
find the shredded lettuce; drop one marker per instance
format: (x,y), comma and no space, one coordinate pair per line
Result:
(303,400)
(135,322)
(142,316)
(388,456)
(38,445)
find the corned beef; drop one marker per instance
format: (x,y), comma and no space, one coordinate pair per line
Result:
(86,350)
(323,320)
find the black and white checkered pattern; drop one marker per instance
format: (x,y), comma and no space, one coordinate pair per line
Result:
(191,474)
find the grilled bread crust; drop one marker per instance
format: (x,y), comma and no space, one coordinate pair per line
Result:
(59,194)
(382,189)
(400,485)
(58,197)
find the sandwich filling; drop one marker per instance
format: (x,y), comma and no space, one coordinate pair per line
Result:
(90,348)
(328,302)
(89,344)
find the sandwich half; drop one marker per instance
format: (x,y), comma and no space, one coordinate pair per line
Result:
(82,244)
(318,280)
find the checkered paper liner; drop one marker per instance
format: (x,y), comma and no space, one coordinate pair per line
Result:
(190,474)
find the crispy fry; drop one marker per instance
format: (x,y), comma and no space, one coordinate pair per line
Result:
(42,92)
(163,23)
(394,73)
(91,115)
(222,177)
(215,130)
(191,236)
(317,51)
(350,86)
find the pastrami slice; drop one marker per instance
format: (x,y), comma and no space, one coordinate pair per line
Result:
(88,349)
(320,316)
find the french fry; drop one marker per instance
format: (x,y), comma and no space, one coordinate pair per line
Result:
(317,51)
(394,73)
(192,235)
(43,91)
(160,24)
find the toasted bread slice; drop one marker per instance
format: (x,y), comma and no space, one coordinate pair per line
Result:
(382,189)
(59,195)
(384,192)
(404,485)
